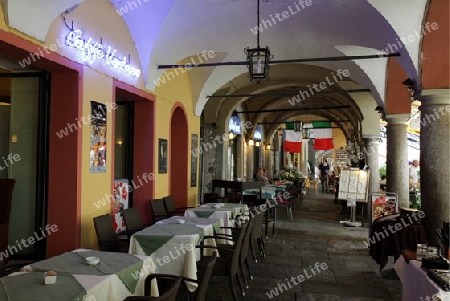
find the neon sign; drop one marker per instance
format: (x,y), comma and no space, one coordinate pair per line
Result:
(90,52)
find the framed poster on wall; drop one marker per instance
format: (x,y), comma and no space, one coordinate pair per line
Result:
(194,152)
(120,203)
(162,155)
(98,138)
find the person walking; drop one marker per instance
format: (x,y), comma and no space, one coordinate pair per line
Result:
(324,169)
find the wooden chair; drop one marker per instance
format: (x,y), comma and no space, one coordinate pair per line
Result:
(204,276)
(257,236)
(169,295)
(159,211)
(312,184)
(107,238)
(169,204)
(228,262)
(133,221)
(331,182)
(6,191)
(2,269)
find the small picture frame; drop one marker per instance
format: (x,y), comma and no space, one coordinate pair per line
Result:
(162,155)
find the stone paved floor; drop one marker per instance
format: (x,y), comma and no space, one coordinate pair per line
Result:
(315,236)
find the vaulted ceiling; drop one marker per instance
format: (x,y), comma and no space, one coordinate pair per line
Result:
(174,31)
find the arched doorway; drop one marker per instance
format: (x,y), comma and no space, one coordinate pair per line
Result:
(178,157)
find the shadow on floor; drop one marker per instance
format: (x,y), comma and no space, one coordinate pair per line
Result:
(331,259)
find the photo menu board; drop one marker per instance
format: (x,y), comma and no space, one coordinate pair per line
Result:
(353,185)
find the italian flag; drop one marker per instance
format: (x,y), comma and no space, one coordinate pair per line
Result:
(292,141)
(323,137)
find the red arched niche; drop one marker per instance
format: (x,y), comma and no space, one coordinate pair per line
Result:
(178,156)
(435,47)
(397,96)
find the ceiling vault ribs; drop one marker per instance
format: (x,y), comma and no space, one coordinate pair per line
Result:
(297,109)
(288,93)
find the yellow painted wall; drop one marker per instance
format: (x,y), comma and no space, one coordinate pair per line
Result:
(2,19)
(339,139)
(96,87)
(167,94)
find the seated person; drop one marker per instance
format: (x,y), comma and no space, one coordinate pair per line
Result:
(261,176)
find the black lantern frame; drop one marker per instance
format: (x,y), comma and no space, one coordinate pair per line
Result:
(258,63)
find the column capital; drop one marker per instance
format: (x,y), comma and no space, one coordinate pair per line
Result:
(397,118)
(371,139)
(435,97)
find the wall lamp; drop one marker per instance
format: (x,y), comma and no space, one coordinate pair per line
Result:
(268,146)
(257,143)
(231,136)
(251,142)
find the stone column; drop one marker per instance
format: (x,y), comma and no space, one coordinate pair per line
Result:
(397,158)
(239,156)
(434,159)
(250,169)
(209,157)
(371,154)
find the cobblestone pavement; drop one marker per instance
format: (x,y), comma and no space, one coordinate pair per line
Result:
(331,258)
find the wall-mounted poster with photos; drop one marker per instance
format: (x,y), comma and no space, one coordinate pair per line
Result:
(98,138)
(162,156)
(194,147)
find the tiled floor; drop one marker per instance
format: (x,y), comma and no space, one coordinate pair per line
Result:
(342,268)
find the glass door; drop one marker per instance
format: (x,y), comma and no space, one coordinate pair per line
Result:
(24,144)
(124,131)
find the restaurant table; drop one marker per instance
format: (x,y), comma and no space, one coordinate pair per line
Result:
(269,192)
(210,226)
(171,248)
(237,186)
(416,283)
(115,277)
(406,238)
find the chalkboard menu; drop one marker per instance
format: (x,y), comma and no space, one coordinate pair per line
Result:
(353,184)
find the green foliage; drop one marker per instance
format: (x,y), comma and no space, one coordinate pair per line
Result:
(383,170)
(290,174)
(415,201)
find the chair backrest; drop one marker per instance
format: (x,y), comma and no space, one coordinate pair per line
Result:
(3,269)
(246,241)
(210,198)
(204,279)
(170,292)
(169,203)
(106,236)
(6,191)
(256,230)
(158,210)
(132,218)
(237,250)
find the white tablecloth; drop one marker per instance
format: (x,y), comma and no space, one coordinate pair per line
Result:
(109,287)
(173,257)
(207,224)
(416,283)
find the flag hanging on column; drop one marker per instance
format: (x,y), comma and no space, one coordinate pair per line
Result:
(292,141)
(323,135)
